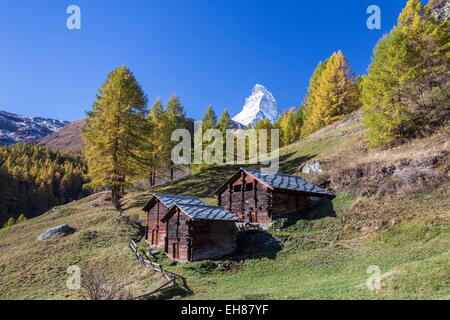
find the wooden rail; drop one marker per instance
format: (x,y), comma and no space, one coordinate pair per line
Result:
(170,276)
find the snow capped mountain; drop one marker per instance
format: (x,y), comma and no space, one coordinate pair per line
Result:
(259,105)
(15,128)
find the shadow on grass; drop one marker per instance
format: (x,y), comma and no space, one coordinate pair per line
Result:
(323,210)
(171,293)
(255,244)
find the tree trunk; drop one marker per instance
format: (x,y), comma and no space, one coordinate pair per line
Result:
(115,198)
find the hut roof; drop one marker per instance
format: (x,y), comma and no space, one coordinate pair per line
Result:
(202,212)
(281,181)
(169,200)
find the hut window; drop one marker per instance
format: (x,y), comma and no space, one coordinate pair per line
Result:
(237,188)
(249,187)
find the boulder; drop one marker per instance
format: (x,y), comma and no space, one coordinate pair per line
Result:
(440,9)
(311,168)
(55,231)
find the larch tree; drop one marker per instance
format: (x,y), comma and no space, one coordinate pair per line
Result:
(337,93)
(225,122)
(209,121)
(332,93)
(308,125)
(406,91)
(268,126)
(115,133)
(289,127)
(156,145)
(175,118)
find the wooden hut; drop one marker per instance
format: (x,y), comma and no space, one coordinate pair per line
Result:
(156,208)
(198,232)
(262,198)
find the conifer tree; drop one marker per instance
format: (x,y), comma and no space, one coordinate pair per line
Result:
(209,120)
(156,145)
(11,221)
(333,93)
(268,126)
(406,92)
(311,99)
(337,93)
(175,118)
(289,127)
(21,218)
(115,133)
(225,122)
(175,107)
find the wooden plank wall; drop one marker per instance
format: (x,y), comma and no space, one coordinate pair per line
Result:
(247,199)
(154,223)
(285,201)
(178,234)
(212,239)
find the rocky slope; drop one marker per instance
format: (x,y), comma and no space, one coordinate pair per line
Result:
(16,128)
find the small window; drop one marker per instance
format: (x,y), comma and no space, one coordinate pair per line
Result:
(249,187)
(237,188)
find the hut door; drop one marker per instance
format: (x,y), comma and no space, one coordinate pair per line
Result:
(175,250)
(155,237)
(253,217)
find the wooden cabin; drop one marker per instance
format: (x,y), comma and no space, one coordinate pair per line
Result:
(198,232)
(261,198)
(156,208)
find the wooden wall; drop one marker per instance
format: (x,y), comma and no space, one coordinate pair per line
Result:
(247,199)
(178,238)
(156,229)
(286,201)
(195,240)
(212,239)
(252,201)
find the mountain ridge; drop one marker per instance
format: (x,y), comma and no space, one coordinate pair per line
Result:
(16,128)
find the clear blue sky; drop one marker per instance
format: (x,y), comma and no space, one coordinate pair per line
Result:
(206,51)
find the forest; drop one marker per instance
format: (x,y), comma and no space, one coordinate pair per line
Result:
(33,179)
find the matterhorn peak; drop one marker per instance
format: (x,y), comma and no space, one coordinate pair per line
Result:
(259,105)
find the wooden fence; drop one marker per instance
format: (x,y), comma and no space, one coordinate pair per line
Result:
(170,276)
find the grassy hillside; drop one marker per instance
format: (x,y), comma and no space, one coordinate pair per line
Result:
(31,269)
(392,210)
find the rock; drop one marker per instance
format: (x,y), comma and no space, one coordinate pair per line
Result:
(311,168)
(63,229)
(440,9)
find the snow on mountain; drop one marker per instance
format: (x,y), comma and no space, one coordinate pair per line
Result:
(259,105)
(15,128)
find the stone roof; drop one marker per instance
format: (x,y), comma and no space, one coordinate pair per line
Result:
(286,182)
(207,212)
(169,200)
